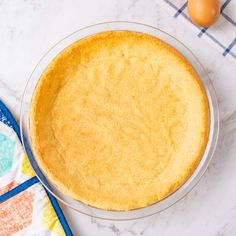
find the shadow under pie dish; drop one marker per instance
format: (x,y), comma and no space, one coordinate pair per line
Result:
(119,120)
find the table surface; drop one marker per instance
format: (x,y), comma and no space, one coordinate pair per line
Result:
(29,28)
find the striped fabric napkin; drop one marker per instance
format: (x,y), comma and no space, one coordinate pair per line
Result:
(26,207)
(221,35)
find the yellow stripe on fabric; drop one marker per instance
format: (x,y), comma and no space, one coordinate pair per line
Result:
(26,167)
(50,219)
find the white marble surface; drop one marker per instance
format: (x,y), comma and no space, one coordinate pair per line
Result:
(28,28)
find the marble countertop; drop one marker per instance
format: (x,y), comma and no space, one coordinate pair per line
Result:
(28,28)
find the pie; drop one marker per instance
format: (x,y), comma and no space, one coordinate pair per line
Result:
(119,120)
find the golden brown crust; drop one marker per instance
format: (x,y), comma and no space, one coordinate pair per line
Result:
(119,120)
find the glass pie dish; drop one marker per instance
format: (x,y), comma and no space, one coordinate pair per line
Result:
(174,196)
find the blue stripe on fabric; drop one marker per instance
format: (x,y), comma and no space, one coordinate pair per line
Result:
(180,10)
(224,5)
(18,189)
(203,30)
(229,19)
(54,202)
(171,4)
(183,14)
(60,215)
(220,44)
(227,50)
(12,120)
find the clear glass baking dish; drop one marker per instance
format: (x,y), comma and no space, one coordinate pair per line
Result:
(173,197)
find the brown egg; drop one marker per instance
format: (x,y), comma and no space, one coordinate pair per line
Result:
(204,12)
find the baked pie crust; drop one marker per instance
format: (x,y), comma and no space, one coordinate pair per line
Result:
(119,120)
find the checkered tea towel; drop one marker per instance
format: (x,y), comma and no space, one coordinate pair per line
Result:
(26,208)
(221,35)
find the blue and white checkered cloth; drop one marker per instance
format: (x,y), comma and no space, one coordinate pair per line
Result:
(221,35)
